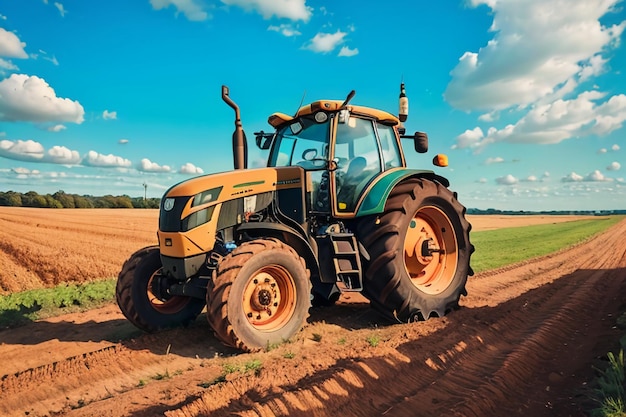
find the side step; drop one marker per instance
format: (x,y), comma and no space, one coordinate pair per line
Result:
(347,261)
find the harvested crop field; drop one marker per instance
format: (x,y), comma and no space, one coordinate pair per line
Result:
(44,247)
(523,343)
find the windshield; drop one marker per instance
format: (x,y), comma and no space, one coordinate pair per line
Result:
(303,142)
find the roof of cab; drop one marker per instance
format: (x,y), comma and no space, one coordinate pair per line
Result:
(381,116)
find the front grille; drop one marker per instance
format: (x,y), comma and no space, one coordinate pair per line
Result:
(170,221)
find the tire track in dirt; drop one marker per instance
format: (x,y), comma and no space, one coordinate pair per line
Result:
(521,330)
(475,373)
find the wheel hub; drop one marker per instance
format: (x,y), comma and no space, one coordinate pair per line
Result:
(266,298)
(430,250)
(262,297)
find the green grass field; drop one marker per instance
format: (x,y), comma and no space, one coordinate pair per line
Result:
(494,249)
(497,248)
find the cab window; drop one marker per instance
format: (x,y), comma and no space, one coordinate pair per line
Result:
(303,142)
(389,145)
(358,160)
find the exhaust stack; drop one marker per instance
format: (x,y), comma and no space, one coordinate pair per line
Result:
(240,145)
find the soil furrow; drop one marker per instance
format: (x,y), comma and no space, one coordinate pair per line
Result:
(523,343)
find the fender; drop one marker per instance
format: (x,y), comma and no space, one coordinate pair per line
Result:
(286,234)
(373,201)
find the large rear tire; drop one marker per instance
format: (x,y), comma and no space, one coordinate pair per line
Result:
(419,251)
(136,295)
(259,295)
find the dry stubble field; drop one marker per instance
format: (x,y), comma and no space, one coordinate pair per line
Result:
(44,247)
(523,343)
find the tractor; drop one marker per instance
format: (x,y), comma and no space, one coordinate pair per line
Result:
(335,210)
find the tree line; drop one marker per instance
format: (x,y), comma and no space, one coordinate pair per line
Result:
(60,199)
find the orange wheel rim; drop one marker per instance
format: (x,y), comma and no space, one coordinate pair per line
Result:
(431,250)
(171,305)
(269,298)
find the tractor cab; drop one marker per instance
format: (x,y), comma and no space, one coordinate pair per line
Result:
(342,148)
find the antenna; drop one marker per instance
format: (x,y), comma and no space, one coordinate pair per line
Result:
(345,103)
(301,101)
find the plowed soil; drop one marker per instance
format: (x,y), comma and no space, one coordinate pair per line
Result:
(524,343)
(44,247)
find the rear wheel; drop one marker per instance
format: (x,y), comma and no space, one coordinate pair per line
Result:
(419,251)
(142,301)
(259,295)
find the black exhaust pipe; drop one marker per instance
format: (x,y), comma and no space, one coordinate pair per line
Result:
(240,144)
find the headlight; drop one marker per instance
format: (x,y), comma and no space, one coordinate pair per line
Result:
(198,218)
(168,204)
(206,196)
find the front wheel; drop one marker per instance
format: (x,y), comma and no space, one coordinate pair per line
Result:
(259,295)
(419,251)
(140,298)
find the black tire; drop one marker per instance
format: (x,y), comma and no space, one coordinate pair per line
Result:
(138,302)
(259,295)
(404,278)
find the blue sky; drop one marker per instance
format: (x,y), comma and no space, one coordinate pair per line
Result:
(526,97)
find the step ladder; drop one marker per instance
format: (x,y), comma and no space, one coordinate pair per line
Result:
(346,260)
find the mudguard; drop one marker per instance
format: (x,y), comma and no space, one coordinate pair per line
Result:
(373,202)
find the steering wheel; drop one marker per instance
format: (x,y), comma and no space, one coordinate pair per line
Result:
(309,154)
(311,161)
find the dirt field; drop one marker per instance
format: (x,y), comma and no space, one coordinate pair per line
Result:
(523,344)
(43,247)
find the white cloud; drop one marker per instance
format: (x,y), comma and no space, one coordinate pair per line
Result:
(289,9)
(96,159)
(595,176)
(62,155)
(11,46)
(285,30)
(31,151)
(109,115)
(31,99)
(469,138)
(602,150)
(325,42)
(614,166)
(190,168)
(53,60)
(22,150)
(531,178)
(507,180)
(572,177)
(122,141)
(496,160)
(555,122)
(148,166)
(489,117)
(615,147)
(345,51)
(25,171)
(56,128)
(192,9)
(60,8)
(7,65)
(539,49)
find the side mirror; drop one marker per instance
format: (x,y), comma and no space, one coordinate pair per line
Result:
(263,140)
(421,142)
